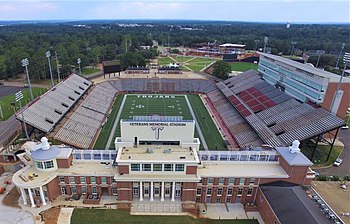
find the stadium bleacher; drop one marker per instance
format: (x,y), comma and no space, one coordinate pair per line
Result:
(45,112)
(276,117)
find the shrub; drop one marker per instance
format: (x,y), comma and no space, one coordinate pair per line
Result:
(335,178)
(347,178)
(322,177)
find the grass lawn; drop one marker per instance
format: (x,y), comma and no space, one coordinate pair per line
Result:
(106,216)
(173,105)
(243,66)
(198,64)
(107,128)
(182,59)
(89,70)
(163,61)
(321,154)
(207,125)
(6,101)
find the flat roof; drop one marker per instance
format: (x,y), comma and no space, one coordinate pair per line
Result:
(153,153)
(77,169)
(154,176)
(293,159)
(232,45)
(292,205)
(319,72)
(242,169)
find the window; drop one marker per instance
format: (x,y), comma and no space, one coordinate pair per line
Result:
(199,191)
(94,189)
(82,180)
(179,167)
(71,180)
(135,167)
(114,180)
(252,181)
(210,180)
(228,199)
(231,181)
(93,180)
(218,200)
(241,181)
(115,191)
(62,180)
(83,189)
(146,167)
(48,164)
(250,192)
(168,167)
(73,189)
(229,191)
(209,190)
(219,191)
(103,180)
(240,192)
(157,167)
(221,180)
(39,165)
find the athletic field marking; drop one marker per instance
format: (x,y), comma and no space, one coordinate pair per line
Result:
(115,123)
(201,136)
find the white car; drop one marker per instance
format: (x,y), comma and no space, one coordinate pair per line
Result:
(338,162)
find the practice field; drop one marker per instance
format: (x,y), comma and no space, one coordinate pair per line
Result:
(8,110)
(186,63)
(166,105)
(83,216)
(243,66)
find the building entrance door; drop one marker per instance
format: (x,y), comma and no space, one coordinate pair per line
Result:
(63,190)
(178,191)
(136,191)
(146,192)
(156,191)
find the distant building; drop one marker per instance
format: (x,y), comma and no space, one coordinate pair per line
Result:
(305,82)
(137,70)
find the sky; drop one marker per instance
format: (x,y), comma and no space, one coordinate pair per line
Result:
(293,11)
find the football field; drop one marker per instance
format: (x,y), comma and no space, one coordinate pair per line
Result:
(165,105)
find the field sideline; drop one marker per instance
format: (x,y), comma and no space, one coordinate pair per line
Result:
(175,105)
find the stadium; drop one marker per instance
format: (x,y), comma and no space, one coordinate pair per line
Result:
(182,142)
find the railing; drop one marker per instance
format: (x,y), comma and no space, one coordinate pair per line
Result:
(267,156)
(98,155)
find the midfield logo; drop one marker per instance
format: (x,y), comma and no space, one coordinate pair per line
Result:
(157,131)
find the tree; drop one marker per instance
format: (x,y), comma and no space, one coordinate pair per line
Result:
(221,69)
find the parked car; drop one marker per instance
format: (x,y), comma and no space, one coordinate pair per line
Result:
(338,162)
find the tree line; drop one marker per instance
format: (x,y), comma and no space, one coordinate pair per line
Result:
(99,41)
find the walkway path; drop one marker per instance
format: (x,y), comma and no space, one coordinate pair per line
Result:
(115,124)
(201,136)
(65,215)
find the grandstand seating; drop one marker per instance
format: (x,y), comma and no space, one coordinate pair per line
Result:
(45,112)
(82,127)
(276,117)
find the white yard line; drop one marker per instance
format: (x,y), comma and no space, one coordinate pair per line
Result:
(205,146)
(115,123)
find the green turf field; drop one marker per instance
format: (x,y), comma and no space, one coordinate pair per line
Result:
(6,101)
(89,70)
(198,64)
(182,59)
(164,61)
(172,105)
(243,66)
(106,216)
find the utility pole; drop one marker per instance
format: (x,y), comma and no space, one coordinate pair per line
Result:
(341,51)
(266,39)
(19,97)
(58,68)
(79,61)
(291,51)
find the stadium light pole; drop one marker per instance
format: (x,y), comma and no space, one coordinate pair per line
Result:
(266,39)
(19,97)
(48,55)
(341,51)
(346,60)
(79,61)
(256,44)
(291,51)
(58,67)
(25,64)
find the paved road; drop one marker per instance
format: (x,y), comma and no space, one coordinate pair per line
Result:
(344,168)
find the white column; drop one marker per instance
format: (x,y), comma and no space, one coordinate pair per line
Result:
(151,191)
(173,192)
(42,196)
(24,196)
(162,195)
(141,191)
(31,197)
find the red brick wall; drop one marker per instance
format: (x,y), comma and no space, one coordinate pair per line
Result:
(189,191)
(53,189)
(265,209)
(1,169)
(191,169)
(124,169)
(124,191)
(297,174)
(345,101)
